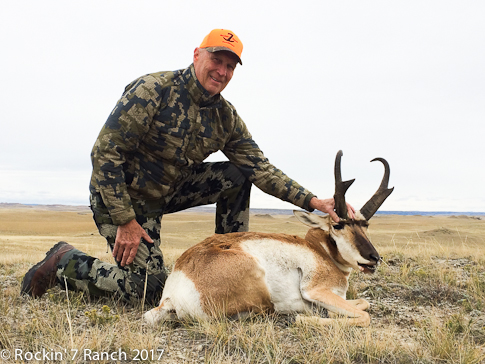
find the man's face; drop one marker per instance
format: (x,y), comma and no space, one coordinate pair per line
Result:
(214,70)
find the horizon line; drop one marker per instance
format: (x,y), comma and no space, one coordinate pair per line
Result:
(210,207)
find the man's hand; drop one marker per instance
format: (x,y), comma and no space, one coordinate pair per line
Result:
(128,238)
(328,206)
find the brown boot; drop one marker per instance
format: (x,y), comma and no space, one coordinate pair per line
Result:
(42,276)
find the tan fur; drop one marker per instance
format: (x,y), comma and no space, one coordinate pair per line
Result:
(225,292)
(327,272)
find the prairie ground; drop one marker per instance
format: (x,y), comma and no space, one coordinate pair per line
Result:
(427,299)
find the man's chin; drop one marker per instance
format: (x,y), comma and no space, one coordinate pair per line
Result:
(214,90)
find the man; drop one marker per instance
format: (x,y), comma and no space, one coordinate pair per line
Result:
(148,161)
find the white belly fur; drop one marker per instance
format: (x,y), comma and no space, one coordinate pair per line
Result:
(285,266)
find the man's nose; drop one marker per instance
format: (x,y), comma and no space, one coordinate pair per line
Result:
(222,70)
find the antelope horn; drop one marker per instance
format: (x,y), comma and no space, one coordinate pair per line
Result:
(340,189)
(371,206)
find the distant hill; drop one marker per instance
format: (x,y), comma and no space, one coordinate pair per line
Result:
(79,208)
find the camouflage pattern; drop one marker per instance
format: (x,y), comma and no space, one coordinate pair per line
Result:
(163,126)
(221,183)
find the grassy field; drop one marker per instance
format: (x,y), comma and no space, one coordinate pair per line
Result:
(427,300)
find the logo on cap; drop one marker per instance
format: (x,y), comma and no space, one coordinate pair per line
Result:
(230,37)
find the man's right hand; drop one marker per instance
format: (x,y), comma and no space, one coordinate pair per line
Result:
(328,205)
(128,238)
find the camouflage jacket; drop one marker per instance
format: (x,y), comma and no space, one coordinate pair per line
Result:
(165,123)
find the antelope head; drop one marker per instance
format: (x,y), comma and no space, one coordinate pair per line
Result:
(346,242)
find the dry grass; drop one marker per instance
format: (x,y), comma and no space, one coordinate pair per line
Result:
(427,299)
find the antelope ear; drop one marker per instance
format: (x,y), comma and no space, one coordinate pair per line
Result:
(312,220)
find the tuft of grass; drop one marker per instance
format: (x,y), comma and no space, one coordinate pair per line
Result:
(451,342)
(103,318)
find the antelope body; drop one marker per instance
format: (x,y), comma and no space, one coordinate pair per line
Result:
(238,273)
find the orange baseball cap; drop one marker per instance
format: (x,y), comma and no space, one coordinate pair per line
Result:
(223,40)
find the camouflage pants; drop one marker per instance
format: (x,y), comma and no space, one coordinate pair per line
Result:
(221,183)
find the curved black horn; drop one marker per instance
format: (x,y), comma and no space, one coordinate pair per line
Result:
(340,189)
(371,206)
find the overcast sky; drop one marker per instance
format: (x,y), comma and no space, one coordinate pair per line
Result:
(403,80)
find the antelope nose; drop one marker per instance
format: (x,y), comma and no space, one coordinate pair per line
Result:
(375,258)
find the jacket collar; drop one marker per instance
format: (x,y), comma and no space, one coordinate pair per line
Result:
(198,93)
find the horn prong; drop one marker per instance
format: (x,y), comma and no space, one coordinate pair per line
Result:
(341,188)
(371,206)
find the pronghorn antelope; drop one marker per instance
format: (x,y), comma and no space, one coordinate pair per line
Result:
(238,273)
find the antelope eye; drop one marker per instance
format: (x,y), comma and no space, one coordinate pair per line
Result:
(338,227)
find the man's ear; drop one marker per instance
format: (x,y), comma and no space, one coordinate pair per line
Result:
(196,54)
